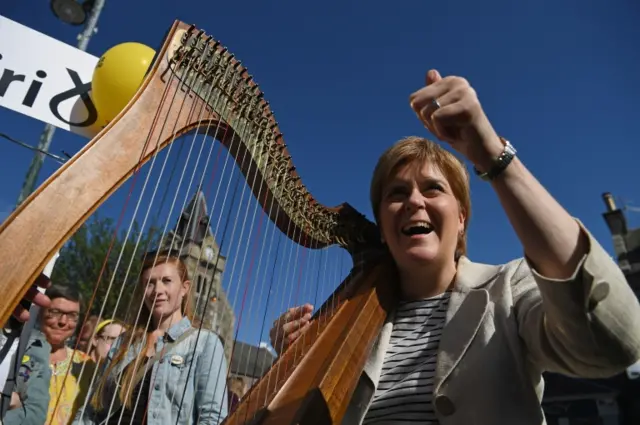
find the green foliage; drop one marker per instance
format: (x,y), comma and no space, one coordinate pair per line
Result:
(97,245)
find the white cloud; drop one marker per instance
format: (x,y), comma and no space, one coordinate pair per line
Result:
(267,346)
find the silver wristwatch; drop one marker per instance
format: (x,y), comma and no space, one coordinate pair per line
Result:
(500,163)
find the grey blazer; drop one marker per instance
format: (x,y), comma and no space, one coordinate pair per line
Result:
(506,325)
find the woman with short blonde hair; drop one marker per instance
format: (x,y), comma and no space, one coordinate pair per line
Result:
(468,342)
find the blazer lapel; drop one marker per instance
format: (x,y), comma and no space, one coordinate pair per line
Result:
(467,308)
(373,367)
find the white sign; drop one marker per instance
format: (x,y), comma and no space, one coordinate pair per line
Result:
(48,269)
(46,79)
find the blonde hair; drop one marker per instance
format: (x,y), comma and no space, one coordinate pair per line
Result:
(138,331)
(418,150)
(103,325)
(101,328)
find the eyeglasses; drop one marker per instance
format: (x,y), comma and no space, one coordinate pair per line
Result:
(107,339)
(72,316)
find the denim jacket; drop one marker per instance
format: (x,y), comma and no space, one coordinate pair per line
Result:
(32,384)
(188,381)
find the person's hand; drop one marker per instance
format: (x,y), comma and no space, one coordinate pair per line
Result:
(34,296)
(15,401)
(450,109)
(288,327)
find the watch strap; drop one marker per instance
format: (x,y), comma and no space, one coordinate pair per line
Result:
(500,163)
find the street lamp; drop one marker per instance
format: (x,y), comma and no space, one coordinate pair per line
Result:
(70,11)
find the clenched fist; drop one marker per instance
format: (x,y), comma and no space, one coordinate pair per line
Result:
(450,109)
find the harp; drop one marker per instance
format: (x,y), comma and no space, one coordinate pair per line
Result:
(196,87)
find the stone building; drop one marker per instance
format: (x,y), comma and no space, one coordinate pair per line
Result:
(196,243)
(194,239)
(249,363)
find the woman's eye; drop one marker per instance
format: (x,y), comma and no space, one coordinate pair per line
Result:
(435,187)
(395,192)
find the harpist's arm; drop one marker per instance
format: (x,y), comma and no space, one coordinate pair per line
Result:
(552,240)
(586,325)
(576,310)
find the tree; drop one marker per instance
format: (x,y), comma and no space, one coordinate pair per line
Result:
(83,257)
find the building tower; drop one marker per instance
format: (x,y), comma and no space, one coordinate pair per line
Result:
(197,247)
(626,245)
(626,242)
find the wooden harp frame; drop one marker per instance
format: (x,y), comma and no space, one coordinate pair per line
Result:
(316,387)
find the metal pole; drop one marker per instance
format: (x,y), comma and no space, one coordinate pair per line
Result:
(29,184)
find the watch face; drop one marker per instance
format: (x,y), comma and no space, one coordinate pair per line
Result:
(208,253)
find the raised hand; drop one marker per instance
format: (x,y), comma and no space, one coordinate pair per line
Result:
(34,296)
(290,326)
(450,109)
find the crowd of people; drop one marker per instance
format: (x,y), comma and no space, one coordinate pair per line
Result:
(467,343)
(157,369)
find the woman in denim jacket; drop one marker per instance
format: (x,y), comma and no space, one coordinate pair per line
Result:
(185,384)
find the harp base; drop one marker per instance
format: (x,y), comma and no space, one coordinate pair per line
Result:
(314,411)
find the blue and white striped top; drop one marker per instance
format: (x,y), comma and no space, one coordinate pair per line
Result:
(405,390)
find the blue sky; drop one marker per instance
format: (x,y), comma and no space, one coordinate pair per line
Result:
(560,80)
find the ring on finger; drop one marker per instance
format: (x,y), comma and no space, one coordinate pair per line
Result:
(436,104)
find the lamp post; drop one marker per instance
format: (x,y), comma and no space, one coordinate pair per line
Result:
(73,13)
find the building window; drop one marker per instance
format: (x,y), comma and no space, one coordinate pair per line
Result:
(199,284)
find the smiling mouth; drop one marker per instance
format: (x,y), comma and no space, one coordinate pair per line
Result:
(419,228)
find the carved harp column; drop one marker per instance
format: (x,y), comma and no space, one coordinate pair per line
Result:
(194,72)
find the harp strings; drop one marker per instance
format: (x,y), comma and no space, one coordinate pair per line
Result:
(99,280)
(232,203)
(285,274)
(152,163)
(193,216)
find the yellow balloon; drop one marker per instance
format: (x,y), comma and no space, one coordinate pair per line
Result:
(117,77)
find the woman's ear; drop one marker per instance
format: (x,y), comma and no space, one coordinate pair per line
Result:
(461,222)
(185,288)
